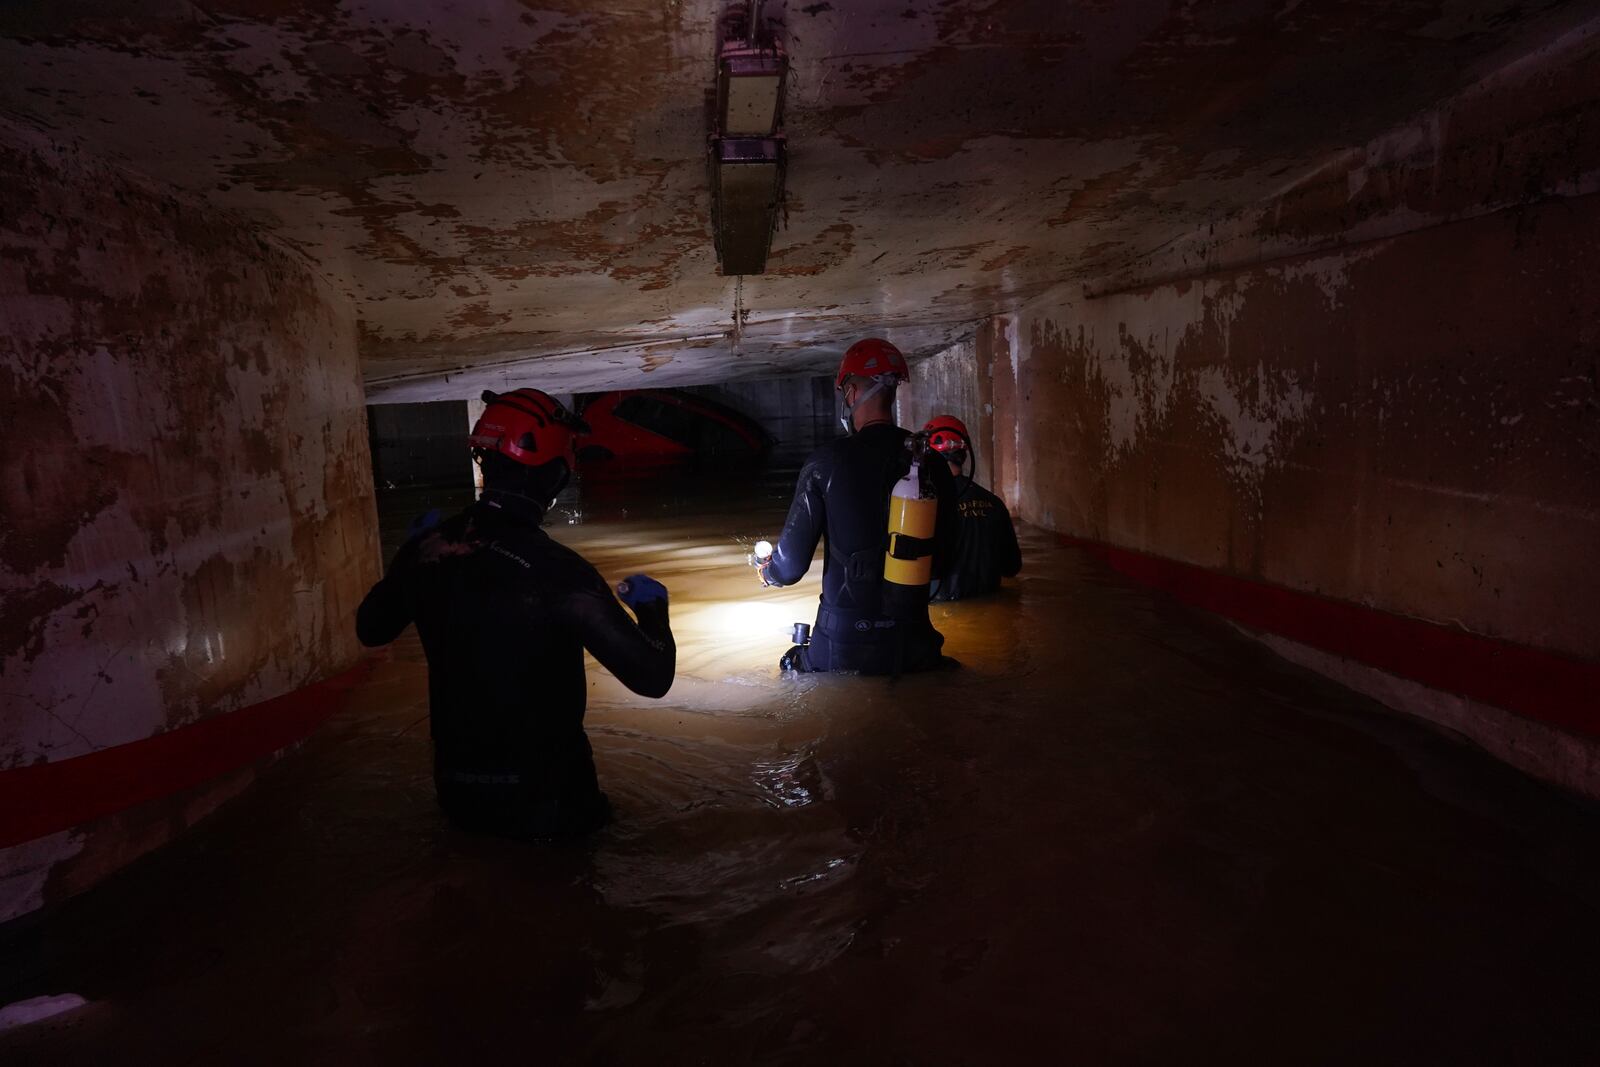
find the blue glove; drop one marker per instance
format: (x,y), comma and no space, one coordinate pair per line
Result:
(638,589)
(423,523)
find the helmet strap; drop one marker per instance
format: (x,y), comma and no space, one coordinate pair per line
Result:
(848,418)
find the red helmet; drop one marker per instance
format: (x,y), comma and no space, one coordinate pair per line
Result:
(946,433)
(872,358)
(527,425)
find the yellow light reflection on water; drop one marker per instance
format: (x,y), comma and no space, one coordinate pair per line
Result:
(728,626)
(748,618)
(721,637)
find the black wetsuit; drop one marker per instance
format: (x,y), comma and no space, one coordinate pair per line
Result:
(505,614)
(864,623)
(986,546)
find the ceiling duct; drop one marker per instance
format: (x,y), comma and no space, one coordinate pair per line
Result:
(746,185)
(747,144)
(750,90)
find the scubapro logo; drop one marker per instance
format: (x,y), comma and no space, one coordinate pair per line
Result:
(508,554)
(863,625)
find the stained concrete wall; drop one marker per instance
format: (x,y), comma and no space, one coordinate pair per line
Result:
(1412,425)
(948,384)
(1379,387)
(186,513)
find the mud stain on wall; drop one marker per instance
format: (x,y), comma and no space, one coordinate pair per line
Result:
(186,516)
(517,179)
(1381,387)
(1371,429)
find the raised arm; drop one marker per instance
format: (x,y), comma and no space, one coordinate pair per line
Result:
(387,609)
(642,655)
(801,530)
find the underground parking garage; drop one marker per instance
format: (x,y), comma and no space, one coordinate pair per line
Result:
(1274,325)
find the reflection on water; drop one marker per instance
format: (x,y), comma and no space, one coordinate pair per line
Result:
(1115,833)
(792,781)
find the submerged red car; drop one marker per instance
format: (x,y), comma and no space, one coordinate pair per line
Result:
(666,424)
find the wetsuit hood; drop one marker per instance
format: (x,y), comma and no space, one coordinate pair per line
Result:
(515,505)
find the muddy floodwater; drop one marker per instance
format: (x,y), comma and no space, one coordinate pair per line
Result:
(1120,832)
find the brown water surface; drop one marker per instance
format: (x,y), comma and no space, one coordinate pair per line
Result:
(1121,832)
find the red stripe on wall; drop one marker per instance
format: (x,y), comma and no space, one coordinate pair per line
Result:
(1540,685)
(43,798)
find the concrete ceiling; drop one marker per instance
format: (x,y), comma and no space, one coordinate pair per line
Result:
(517,192)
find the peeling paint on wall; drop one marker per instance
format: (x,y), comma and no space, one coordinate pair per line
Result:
(526,180)
(186,515)
(1260,415)
(1408,422)
(1387,431)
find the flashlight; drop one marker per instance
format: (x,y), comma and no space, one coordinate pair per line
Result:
(760,558)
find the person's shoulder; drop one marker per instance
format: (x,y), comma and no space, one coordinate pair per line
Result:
(432,541)
(829,449)
(878,438)
(983,494)
(890,431)
(559,560)
(825,457)
(453,526)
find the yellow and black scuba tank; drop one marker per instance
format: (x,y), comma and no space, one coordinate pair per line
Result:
(913,514)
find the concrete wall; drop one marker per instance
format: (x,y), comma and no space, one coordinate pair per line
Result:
(1412,425)
(799,412)
(420,444)
(1379,388)
(186,513)
(948,384)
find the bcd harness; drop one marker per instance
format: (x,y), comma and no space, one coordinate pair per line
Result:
(904,558)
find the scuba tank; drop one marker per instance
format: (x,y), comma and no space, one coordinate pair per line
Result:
(913,513)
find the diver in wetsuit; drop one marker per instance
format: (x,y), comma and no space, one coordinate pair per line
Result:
(505,613)
(986,545)
(863,623)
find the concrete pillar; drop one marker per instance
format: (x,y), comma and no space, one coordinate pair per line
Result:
(188,520)
(475,406)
